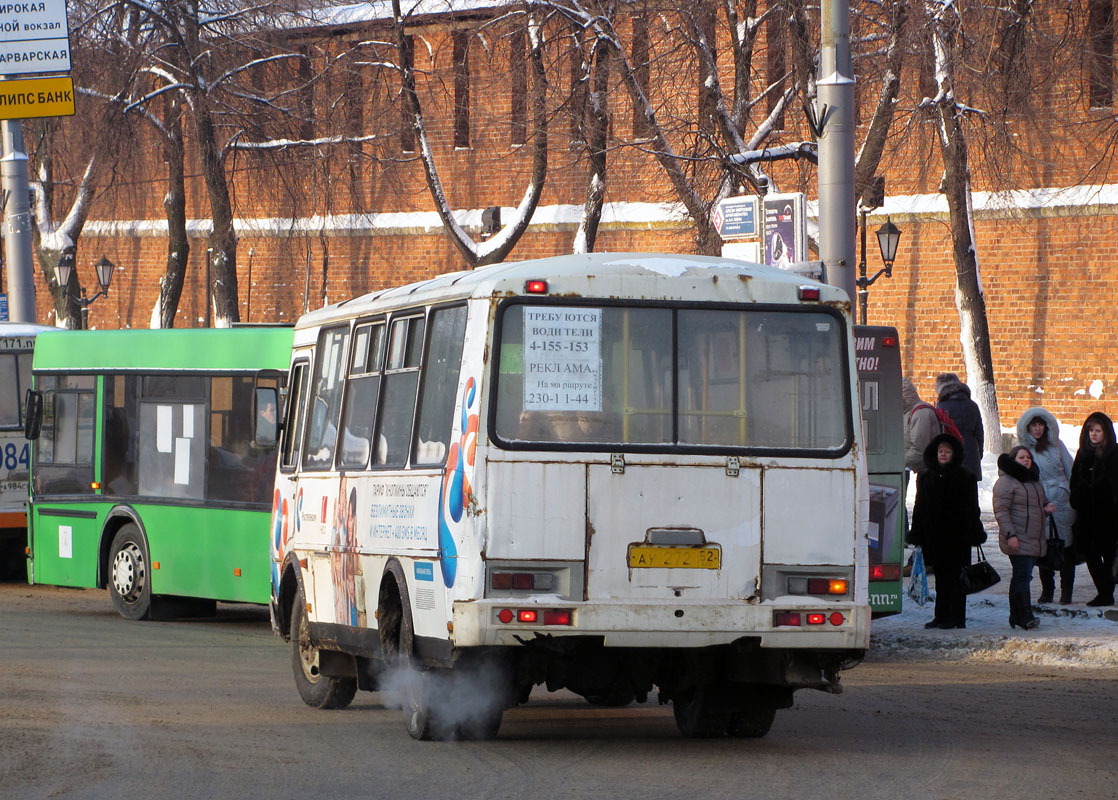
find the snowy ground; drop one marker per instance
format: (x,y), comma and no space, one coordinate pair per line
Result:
(1073,634)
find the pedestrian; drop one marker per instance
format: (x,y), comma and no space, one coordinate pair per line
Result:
(946,523)
(1094,496)
(1020,508)
(920,426)
(953,396)
(1039,431)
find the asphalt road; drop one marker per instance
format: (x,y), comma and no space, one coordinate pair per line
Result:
(97,707)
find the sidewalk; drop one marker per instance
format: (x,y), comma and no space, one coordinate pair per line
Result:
(1067,634)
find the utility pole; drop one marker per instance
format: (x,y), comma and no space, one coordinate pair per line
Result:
(835,112)
(17,223)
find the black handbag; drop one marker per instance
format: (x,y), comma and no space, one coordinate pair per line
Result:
(1054,556)
(979,576)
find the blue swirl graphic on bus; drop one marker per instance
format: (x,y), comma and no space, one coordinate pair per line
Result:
(454,494)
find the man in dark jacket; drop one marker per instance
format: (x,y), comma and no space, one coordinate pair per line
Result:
(953,396)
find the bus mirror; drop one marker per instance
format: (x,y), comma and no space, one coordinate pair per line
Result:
(265,414)
(32,414)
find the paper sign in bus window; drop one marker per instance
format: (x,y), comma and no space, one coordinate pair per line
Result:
(163,433)
(188,422)
(562,358)
(182,460)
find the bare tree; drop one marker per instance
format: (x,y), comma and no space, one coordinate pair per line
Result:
(943,28)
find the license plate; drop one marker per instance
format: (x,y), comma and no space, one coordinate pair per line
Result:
(644,556)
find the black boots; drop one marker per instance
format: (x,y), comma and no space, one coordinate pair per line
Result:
(1021,613)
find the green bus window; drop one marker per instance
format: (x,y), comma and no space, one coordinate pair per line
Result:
(237,471)
(121,437)
(172,437)
(322,433)
(441,370)
(401,379)
(64,450)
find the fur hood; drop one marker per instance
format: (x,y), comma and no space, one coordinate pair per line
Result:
(931,461)
(953,387)
(1007,465)
(1026,438)
(1107,430)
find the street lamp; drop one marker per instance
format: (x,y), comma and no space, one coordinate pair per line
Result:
(65,268)
(888,237)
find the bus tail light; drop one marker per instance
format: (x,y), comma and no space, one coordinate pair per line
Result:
(786,619)
(532,616)
(816,618)
(818,586)
(885,572)
(809,293)
(523,581)
(837,618)
(535,287)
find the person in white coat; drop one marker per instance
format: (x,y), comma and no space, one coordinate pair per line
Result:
(1038,430)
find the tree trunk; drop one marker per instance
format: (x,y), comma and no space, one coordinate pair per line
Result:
(596,145)
(174,203)
(222,291)
(974,330)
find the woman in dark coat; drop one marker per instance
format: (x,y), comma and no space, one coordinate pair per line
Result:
(1094,496)
(946,523)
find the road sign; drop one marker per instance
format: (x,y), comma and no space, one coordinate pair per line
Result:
(4,307)
(34,37)
(736,217)
(37,97)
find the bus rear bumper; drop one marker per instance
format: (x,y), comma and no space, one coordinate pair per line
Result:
(660,625)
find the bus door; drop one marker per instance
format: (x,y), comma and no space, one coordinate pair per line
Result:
(878,355)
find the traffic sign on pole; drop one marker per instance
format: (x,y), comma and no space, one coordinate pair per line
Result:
(37,97)
(736,217)
(34,37)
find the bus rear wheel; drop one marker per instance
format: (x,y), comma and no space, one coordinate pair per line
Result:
(129,577)
(316,689)
(700,713)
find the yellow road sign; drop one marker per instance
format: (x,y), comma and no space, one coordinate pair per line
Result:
(37,97)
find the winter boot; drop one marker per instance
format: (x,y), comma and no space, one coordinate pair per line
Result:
(1067,583)
(1047,586)
(1014,611)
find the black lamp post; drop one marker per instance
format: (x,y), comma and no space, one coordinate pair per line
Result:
(65,267)
(888,237)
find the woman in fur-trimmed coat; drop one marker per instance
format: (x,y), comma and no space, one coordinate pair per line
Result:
(1022,510)
(946,523)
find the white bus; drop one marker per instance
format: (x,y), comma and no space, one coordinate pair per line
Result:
(610,473)
(17,340)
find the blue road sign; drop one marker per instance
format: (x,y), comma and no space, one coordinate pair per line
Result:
(736,216)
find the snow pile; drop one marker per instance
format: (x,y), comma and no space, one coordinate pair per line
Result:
(1072,634)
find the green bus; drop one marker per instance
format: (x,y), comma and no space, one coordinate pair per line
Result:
(146,476)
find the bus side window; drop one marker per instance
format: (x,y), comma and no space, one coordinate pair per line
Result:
(362,390)
(64,450)
(322,433)
(293,421)
(401,379)
(441,369)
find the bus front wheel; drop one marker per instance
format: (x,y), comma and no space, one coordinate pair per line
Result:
(129,576)
(316,689)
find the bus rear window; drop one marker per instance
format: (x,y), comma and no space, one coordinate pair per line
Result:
(609,376)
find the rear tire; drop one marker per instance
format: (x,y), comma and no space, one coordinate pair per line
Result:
(700,714)
(751,724)
(316,689)
(129,574)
